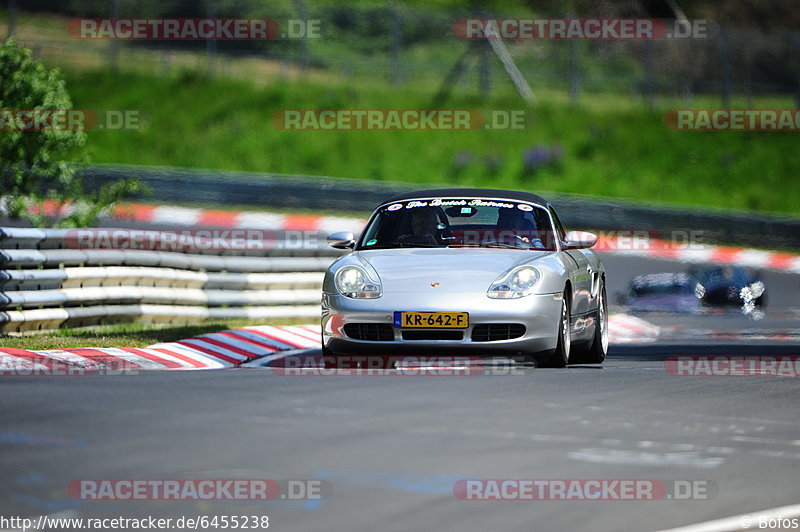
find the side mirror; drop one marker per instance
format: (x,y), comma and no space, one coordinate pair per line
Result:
(580,240)
(342,240)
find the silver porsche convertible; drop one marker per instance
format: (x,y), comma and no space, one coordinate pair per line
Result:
(473,271)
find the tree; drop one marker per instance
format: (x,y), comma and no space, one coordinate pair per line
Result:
(40,162)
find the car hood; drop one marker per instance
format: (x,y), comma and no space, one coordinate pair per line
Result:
(455,270)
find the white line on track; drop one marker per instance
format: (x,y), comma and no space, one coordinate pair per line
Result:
(742,521)
(691,460)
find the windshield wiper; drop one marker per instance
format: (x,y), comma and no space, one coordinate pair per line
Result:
(501,245)
(413,245)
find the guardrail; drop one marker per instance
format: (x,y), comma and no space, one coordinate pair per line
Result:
(184,185)
(44,284)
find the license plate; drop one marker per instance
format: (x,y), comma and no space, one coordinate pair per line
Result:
(432,320)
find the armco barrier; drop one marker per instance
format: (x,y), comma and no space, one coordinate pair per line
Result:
(44,285)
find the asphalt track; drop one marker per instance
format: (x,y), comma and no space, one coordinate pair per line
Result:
(392,447)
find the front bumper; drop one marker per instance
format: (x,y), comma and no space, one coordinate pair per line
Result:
(539,314)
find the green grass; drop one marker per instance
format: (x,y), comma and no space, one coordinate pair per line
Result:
(611,146)
(123,335)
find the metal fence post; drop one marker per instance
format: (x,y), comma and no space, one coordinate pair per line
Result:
(688,98)
(166,59)
(574,71)
(12,16)
(211,44)
(113,45)
(302,14)
(395,35)
(648,73)
(794,40)
(725,60)
(484,70)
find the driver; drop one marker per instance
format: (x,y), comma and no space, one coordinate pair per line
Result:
(424,227)
(521,228)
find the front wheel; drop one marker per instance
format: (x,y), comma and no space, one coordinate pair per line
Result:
(560,357)
(596,353)
(329,360)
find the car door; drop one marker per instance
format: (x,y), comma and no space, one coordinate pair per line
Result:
(581,274)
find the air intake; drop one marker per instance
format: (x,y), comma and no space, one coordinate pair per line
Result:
(493,332)
(371,332)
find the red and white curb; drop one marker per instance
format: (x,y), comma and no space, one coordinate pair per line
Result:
(172,215)
(224,349)
(745,335)
(627,329)
(702,253)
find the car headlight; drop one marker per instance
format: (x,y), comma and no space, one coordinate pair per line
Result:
(752,291)
(699,291)
(354,282)
(517,283)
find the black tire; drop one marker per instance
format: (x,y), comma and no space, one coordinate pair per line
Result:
(329,360)
(560,357)
(596,353)
(332,361)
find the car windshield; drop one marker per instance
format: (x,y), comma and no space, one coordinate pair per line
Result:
(459,222)
(722,276)
(662,284)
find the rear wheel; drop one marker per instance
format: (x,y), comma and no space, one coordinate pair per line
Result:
(560,357)
(596,352)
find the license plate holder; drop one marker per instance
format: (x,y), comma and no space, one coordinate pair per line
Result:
(431,320)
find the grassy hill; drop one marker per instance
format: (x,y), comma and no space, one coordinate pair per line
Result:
(607,146)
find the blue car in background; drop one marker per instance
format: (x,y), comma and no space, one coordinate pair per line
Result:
(728,286)
(700,289)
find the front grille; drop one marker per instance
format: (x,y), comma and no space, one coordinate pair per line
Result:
(433,334)
(492,332)
(372,332)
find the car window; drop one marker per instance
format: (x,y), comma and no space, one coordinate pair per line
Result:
(459,222)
